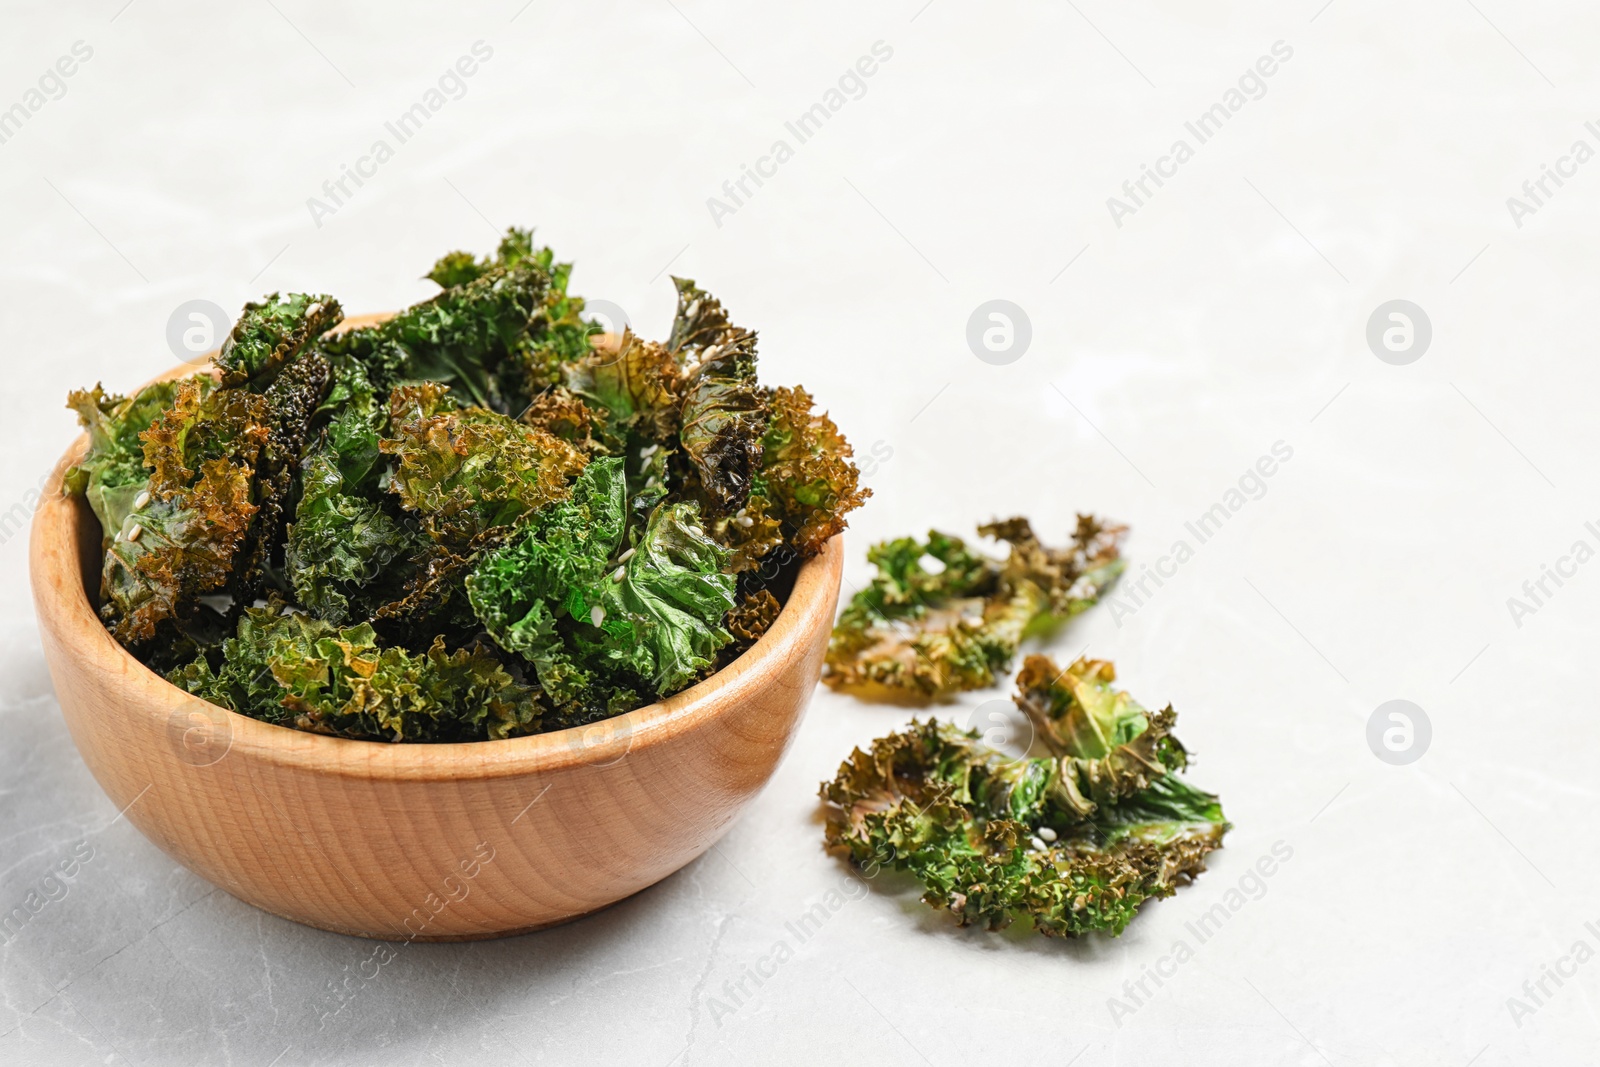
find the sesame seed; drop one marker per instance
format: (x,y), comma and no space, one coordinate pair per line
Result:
(616,575)
(597,615)
(745,521)
(626,556)
(135,533)
(141,500)
(1047,833)
(1038,845)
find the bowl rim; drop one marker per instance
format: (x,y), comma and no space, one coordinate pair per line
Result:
(63,605)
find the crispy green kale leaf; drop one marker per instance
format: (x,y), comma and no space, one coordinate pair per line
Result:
(173,550)
(204,423)
(469,472)
(348,553)
(557,333)
(1109,747)
(700,322)
(562,413)
(469,476)
(995,838)
(664,611)
(351,548)
(806,485)
(181,532)
(724,415)
(294,670)
(292,399)
(752,617)
(635,384)
(272,334)
(465,338)
(459,268)
(599,623)
(553,573)
(357,418)
(919,632)
(112,473)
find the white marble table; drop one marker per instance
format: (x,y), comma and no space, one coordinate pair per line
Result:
(1176,338)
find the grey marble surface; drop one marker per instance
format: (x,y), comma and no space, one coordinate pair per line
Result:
(1412,910)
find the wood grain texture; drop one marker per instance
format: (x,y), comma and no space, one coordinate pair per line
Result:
(410,841)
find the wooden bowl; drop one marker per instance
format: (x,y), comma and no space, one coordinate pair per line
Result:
(418,841)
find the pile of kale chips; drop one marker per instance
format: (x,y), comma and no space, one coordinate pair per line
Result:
(475,520)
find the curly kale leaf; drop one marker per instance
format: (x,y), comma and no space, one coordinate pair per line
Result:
(204,423)
(347,553)
(351,548)
(292,399)
(180,534)
(173,550)
(1108,746)
(112,473)
(562,413)
(355,417)
(635,384)
(557,566)
(534,591)
(559,334)
(470,472)
(806,485)
(920,632)
(272,334)
(294,670)
(465,337)
(994,839)
(459,268)
(596,625)
(556,333)
(923,630)
(663,612)
(700,322)
(724,414)
(1071,578)
(753,616)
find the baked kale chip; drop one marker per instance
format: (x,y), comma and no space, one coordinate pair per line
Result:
(940,618)
(724,415)
(272,334)
(1073,842)
(174,524)
(601,608)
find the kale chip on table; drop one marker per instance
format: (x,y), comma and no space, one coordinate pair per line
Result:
(940,617)
(1073,842)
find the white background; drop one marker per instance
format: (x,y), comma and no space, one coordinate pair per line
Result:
(1227,314)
